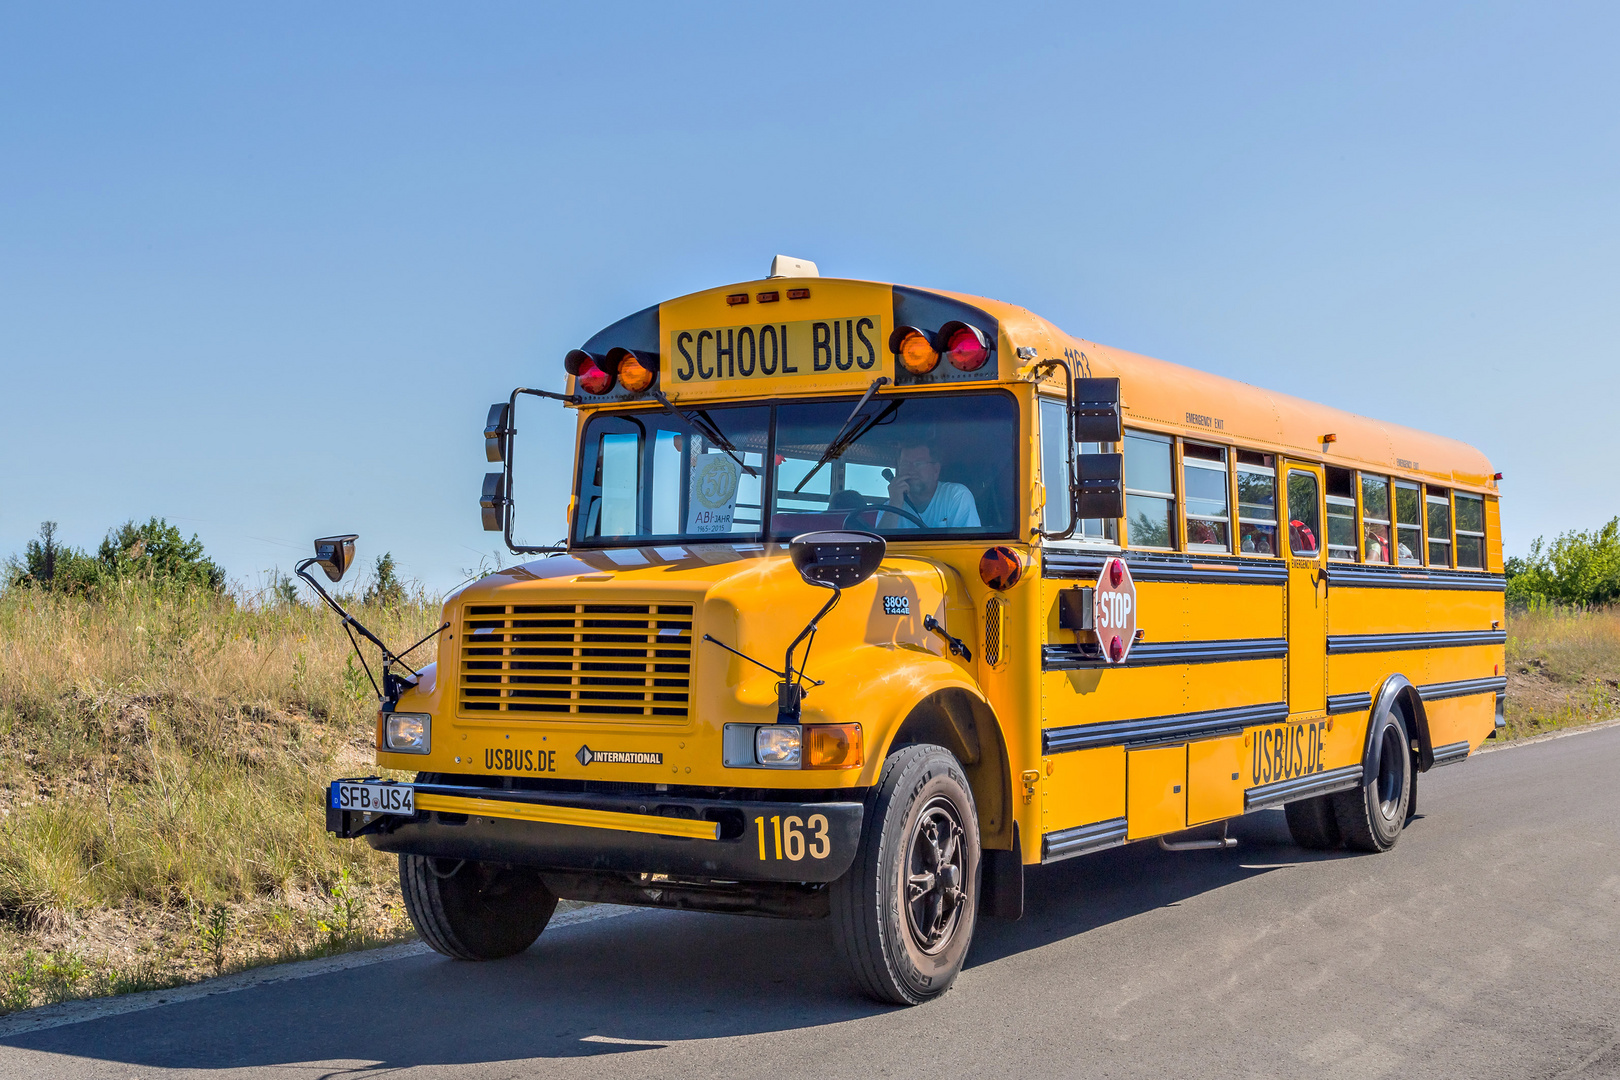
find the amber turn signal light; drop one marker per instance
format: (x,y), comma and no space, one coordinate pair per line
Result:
(832,746)
(914,350)
(634,373)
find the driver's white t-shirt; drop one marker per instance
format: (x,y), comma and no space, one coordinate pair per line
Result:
(952,507)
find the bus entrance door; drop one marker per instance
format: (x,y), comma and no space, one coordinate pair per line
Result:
(1307,591)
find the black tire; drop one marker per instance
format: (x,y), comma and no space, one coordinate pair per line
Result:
(471,910)
(902,923)
(1372,816)
(1312,824)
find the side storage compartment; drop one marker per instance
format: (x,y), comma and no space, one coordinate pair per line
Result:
(1155,791)
(1214,779)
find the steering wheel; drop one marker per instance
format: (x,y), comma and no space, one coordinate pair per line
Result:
(880,509)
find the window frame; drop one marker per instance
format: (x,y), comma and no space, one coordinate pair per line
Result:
(1185,511)
(1421,558)
(1173,498)
(1457,533)
(1354,502)
(1443,499)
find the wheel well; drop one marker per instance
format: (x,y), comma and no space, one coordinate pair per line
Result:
(966,726)
(1398,692)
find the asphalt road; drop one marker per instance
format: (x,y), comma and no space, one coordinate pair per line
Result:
(1486,944)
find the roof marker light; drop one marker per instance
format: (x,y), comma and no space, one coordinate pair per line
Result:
(737,298)
(768,297)
(798,294)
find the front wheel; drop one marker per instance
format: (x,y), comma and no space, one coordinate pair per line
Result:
(474,911)
(1370,817)
(904,912)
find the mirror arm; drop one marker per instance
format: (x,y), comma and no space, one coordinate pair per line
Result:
(958,647)
(506,465)
(393,683)
(1068,440)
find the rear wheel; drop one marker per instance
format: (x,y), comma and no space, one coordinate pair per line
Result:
(1370,817)
(1312,825)
(904,913)
(474,911)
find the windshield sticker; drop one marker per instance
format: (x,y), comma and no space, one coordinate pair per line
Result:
(714,493)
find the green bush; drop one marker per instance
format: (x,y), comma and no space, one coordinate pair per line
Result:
(1577,568)
(155,553)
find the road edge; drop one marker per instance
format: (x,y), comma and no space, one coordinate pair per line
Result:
(77,1012)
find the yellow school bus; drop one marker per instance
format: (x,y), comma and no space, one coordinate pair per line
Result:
(874,596)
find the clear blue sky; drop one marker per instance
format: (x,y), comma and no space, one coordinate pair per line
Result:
(262,270)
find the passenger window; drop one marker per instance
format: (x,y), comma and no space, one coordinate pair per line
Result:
(1204,485)
(1438,502)
(1375,518)
(1257,503)
(1302,514)
(1408,524)
(1055,476)
(1341,514)
(1055,465)
(1470,511)
(1149,492)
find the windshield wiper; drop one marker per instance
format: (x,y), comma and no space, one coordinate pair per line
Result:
(700,420)
(841,441)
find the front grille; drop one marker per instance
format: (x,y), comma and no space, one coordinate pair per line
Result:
(587,661)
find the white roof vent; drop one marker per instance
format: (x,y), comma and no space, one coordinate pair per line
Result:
(788,266)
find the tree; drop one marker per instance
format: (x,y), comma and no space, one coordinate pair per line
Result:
(51,565)
(385,588)
(158,553)
(1581,568)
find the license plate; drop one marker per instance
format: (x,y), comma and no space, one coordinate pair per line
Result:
(374,798)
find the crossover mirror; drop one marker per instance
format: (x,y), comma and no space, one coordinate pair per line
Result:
(837,560)
(333,554)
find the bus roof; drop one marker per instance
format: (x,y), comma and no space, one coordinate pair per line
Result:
(1157,395)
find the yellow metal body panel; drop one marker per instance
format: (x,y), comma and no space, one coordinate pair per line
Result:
(1214,779)
(571,815)
(1083,787)
(1156,792)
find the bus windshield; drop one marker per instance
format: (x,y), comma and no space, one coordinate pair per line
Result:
(911,467)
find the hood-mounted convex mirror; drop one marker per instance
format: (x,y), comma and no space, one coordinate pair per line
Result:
(837,560)
(333,554)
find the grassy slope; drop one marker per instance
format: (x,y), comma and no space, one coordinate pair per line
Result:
(161,765)
(162,759)
(1563,668)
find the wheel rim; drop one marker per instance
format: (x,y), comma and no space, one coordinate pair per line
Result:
(935,875)
(1391,775)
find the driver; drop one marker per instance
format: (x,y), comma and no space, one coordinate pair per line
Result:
(917,487)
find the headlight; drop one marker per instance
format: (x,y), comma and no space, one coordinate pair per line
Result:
(407,733)
(778,746)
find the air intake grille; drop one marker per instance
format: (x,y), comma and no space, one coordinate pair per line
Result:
(992,630)
(589,661)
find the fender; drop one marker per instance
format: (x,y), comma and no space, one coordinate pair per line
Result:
(1398,688)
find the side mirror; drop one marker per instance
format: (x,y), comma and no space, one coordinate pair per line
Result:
(333,554)
(496,429)
(1096,412)
(492,503)
(1099,485)
(837,560)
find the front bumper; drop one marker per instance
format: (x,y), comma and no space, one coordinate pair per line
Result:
(729,840)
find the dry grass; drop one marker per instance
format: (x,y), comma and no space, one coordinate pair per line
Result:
(1563,668)
(162,756)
